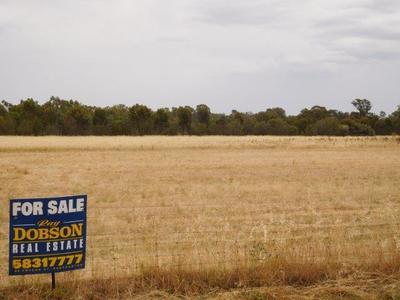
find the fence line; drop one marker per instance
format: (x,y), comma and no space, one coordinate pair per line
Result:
(164,246)
(144,244)
(244,251)
(189,214)
(273,211)
(306,226)
(297,226)
(238,231)
(232,241)
(278,210)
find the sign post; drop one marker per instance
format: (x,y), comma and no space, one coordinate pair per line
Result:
(53,280)
(47,235)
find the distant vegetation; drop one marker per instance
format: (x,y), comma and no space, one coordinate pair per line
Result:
(68,117)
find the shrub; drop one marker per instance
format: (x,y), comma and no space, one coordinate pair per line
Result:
(328,126)
(277,126)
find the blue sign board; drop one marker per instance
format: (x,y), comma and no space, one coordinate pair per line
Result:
(47,235)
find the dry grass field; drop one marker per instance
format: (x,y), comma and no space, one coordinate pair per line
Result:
(225,217)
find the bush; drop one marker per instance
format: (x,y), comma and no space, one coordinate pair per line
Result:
(357,128)
(199,129)
(344,130)
(328,126)
(261,128)
(7,125)
(278,127)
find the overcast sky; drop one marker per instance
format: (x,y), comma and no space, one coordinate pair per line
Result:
(229,54)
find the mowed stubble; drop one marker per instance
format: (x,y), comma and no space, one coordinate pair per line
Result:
(195,203)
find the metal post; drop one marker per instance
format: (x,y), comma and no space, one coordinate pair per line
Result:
(53,280)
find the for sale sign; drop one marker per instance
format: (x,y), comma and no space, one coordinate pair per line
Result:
(47,235)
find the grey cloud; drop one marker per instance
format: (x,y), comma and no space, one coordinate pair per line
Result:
(386,6)
(170,39)
(373,54)
(247,54)
(373,33)
(234,12)
(363,43)
(363,31)
(354,27)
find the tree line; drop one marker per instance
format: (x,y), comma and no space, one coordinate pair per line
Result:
(69,117)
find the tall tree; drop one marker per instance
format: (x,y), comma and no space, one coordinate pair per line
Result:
(28,117)
(363,106)
(395,120)
(7,124)
(119,120)
(203,114)
(185,118)
(140,116)
(78,119)
(161,120)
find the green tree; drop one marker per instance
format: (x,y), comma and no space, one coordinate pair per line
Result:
(77,120)
(328,126)
(140,116)
(384,126)
(279,127)
(363,106)
(203,114)
(54,113)
(100,116)
(395,120)
(3,110)
(185,115)
(314,114)
(218,124)
(161,120)
(271,113)
(100,122)
(357,128)
(276,112)
(7,125)
(119,120)
(28,117)
(261,128)
(234,127)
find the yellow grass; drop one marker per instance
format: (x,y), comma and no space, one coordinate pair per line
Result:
(193,214)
